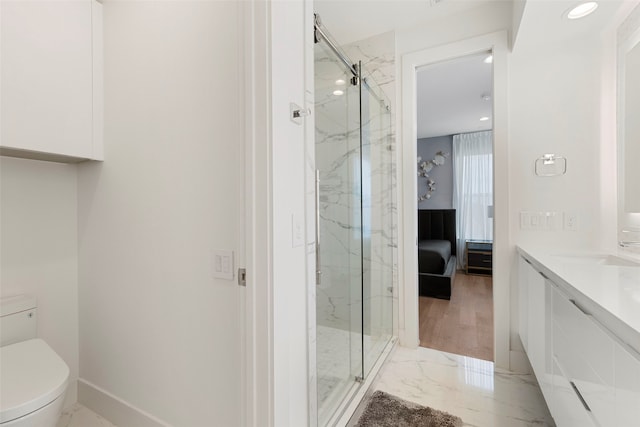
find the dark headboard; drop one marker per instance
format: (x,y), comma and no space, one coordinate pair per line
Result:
(437,224)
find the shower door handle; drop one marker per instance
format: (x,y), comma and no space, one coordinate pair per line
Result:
(318,270)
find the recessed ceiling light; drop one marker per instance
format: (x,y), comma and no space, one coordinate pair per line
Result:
(484,119)
(340,82)
(338,92)
(582,10)
(488,59)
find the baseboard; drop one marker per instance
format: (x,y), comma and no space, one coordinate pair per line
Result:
(114,409)
(71,397)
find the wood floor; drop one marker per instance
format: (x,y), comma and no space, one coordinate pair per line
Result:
(464,324)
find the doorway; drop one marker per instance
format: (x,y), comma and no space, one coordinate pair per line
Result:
(497,43)
(454,158)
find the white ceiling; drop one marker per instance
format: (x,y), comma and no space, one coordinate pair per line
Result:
(352,20)
(544,22)
(449,95)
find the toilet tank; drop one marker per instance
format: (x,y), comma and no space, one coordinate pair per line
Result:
(18,319)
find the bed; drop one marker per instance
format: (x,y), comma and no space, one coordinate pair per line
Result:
(436,252)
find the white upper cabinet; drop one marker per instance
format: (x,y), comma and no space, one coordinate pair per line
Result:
(51,79)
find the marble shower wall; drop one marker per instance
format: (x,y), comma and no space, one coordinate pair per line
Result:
(347,261)
(379,147)
(338,160)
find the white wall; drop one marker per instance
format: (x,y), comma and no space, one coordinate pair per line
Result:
(39,249)
(157,331)
(292,180)
(483,19)
(554,102)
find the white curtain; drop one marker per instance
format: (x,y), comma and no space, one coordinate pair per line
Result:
(473,188)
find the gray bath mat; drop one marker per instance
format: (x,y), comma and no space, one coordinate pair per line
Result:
(385,410)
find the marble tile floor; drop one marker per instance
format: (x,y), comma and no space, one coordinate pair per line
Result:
(80,416)
(338,361)
(469,388)
(339,355)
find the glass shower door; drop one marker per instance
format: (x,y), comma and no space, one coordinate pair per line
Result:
(377,237)
(338,293)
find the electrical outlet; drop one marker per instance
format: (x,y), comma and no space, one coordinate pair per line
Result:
(570,222)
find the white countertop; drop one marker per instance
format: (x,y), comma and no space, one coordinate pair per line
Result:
(615,289)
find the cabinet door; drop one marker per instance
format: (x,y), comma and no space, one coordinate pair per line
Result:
(523,308)
(627,387)
(567,411)
(535,324)
(536,320)
(585,354)
(546,379)
(46,73)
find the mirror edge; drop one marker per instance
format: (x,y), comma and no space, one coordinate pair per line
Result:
(628,37)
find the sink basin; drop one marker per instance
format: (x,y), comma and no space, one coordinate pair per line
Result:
(598,259)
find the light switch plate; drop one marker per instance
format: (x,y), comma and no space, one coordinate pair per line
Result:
(223,264)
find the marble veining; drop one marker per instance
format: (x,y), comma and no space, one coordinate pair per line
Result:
(344,180)
(80,416)
(472,389)
(339,361)
(355,154)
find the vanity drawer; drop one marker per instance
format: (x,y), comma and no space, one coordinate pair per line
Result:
(583,335)
(597,394)
(627,387)
(566,407)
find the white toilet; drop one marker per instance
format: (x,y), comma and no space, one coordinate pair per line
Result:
(33,378)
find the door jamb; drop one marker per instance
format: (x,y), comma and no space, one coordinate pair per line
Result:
(407,209)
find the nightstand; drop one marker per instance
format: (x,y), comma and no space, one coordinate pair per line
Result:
(479,254)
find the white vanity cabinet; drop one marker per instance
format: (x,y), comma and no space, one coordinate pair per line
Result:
(584,355)
(627,385)
(588,375)
(51,79)
(535,322)
(523,301)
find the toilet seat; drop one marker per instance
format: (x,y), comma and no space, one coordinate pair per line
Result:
(32,375)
